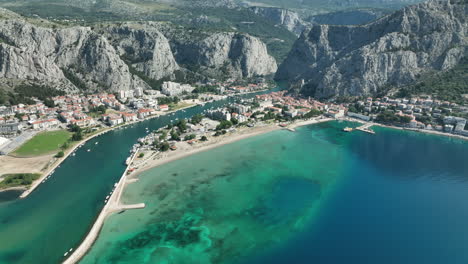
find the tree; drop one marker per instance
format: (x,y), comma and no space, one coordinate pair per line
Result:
(49,102)
(204,138)
(141,155)
(224,124)
(75,128)
(163,136)
(60,154)
(77,136)
(164,147)
(196,119)
(65,145)
(190,137)
(234,121)
(175,136)
(313,113)
(182,125)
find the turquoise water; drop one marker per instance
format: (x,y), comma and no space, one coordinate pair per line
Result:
(315,196)
(57,216)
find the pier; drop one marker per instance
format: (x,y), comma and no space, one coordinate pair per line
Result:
(366,128)
(113,205)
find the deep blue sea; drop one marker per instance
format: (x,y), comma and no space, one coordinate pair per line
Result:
(403,198)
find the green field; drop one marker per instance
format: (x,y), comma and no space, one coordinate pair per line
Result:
(43,143)
(20,179)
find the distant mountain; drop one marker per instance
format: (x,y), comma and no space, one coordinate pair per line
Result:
(282,17)
(122,56)
(330,4)
(396,50)
(349,17)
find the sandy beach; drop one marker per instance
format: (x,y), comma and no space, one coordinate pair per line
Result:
(115,204)
(185,150)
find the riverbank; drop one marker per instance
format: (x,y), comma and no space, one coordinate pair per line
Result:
(113,205)
(49,163)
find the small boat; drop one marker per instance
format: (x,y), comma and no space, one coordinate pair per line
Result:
(96,143)
(66,253)
(70,250)
(73,154)
(107,197)
(348,129)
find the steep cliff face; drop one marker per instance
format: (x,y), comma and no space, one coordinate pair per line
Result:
(38,54)
(107,57)
(331,61)
(232,54)
(147,49)
(158,50)
(282,17)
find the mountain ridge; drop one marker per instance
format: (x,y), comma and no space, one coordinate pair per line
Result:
(329,61)
(64,56)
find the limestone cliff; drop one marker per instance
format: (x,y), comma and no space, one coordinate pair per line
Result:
(118,57)
(395,50)
(282,17)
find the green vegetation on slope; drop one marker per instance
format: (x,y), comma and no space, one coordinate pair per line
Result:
(450,85)
(20,179)
(23,94)
(278,39)
(43,143)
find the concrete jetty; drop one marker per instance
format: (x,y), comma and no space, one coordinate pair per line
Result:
(113,205)
(366,128)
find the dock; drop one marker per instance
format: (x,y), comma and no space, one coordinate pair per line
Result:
(366,128)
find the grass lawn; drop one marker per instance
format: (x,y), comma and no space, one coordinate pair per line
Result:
(20,179)
(180,105)
(43,143)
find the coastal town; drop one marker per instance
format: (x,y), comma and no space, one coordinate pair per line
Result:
(422,113)
(84,116)
(19,123)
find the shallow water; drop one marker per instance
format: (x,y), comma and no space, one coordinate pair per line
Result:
(58,214)
(315,196)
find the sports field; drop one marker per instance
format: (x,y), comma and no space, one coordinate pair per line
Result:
(43,143)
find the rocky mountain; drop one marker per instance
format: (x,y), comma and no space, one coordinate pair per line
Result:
(328,61)
(349,17)
(282,17)
(330,4)
(120,57)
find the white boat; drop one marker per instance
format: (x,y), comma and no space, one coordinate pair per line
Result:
(66,253)
(73,154)
(96,143)
(89,150)
(70,250)
(107,197)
